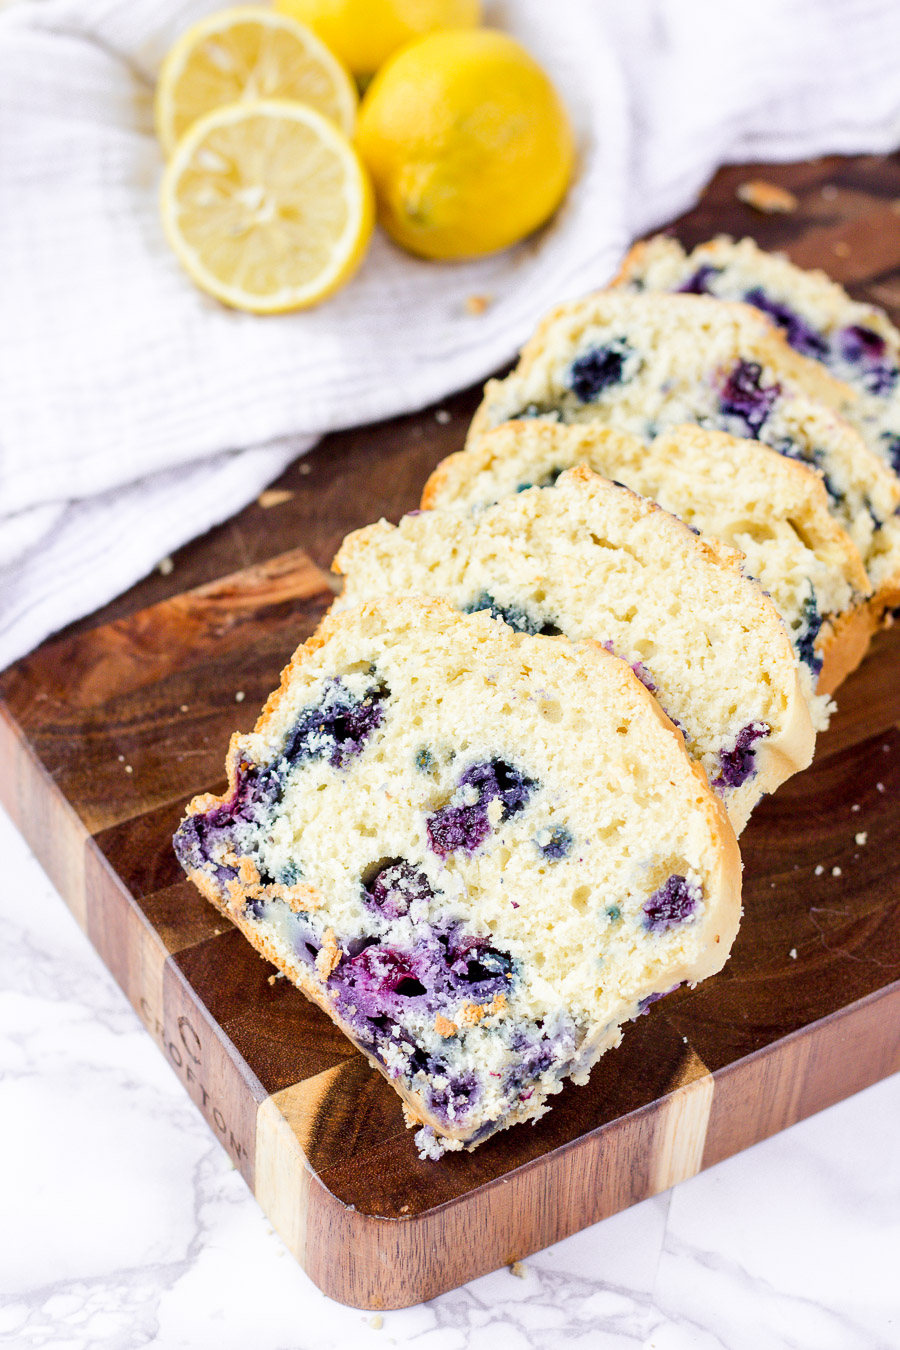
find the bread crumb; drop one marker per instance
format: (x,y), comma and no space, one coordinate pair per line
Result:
(855,806)
(404,1209)
(841,248)
(271,979)
(793,953)
(879,787)
(121,759)
(829,192)
(835,871)
(376,1322)
(129,769)
(305,468)
(240,696)
(329,954)
(519,1269)
(165,567)
(767,197)
(862,836)
(471,1014)
(819,870)
(477,304)
(273,497)
(184,707)
(442,416)
(444,1027)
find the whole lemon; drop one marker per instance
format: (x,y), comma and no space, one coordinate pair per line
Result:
(364,33)
(468,144)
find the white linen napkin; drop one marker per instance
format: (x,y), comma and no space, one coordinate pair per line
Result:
(135,412)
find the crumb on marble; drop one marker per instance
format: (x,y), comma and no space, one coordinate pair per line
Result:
(274,497)
(477,304)
(835,871)
(862,837)
(165,567)
(768,198)
(519,1269)
(442,416)
(376,1322)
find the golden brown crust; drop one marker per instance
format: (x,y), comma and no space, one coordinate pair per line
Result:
(846,644)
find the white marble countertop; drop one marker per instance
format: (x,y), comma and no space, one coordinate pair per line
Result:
(124,1224)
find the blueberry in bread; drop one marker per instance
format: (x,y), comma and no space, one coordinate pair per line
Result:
(590,559)
(773,509)
(726,367)
(479,852)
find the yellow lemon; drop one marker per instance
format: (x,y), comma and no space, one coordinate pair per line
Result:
(267,205)
(247,53)
(364,33)
(468,144)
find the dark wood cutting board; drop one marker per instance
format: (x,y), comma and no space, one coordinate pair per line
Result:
(107,730)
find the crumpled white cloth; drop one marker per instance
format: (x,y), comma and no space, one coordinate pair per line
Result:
(135,413)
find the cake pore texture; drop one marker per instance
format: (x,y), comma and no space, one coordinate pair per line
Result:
(773,509)
(855,342)
(693,359)
(478,851)
(591,559)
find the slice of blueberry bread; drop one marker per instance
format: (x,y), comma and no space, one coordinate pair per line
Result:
(593,560)
(856,342)
(773,509)
(646,363)
(479,852)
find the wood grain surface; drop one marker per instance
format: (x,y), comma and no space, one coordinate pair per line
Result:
(109,728)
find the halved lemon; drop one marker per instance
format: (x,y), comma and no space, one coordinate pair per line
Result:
(267,206)
(248,54)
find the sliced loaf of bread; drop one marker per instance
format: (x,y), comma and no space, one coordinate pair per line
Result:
(773,509)
(593,560)
(856,342)
(479,852)
(647,363)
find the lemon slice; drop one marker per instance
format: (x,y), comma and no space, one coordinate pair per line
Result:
(267,206)
(248,54)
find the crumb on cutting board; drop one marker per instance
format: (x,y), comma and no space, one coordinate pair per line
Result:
(274,497)
(768,198)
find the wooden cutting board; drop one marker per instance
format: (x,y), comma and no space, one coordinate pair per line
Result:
(106,731)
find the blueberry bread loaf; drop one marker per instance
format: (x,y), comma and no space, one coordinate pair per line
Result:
(773,509)
(593,560)
(856,342)
(646,363)
(480,852)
